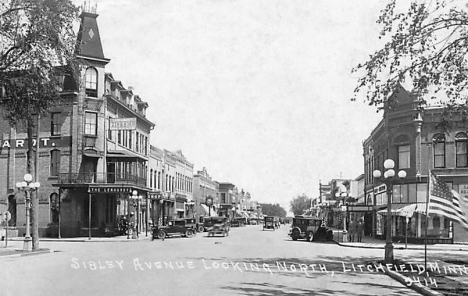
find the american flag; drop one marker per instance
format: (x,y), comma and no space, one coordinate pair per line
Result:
(446,202)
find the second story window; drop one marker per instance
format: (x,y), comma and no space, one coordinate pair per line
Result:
(404,157)
(439,150)
(461,140)
(91,82)
(55,124)
(54,163)
(91,123)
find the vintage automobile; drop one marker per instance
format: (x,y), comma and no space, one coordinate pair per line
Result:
(271,222)
(310,228)
(220,225)
(238,222)
(192,222)
(173,227)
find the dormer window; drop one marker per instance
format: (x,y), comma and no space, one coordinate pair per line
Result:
(91,82)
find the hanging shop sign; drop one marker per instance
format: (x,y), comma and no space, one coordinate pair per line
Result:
(122,124)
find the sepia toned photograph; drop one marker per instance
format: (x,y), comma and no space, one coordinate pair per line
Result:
(234,147)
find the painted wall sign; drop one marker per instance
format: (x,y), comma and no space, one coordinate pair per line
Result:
(122,124)
(43,142)
(109,189)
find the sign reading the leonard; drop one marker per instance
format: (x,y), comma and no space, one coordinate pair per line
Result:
(122,124)
(110,189)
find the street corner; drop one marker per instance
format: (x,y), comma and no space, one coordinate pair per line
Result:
(11,252)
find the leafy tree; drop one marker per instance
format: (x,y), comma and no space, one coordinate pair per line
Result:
(426,44)
(37,51)
(300,204)
(273,210)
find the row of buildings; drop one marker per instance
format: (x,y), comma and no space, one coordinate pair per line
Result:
(418,142)
(95,162)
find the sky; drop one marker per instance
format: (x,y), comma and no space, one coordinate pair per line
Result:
(256,91)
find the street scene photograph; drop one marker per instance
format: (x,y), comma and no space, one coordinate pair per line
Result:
(234,147)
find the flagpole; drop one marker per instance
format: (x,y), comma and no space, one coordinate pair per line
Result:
(427,202)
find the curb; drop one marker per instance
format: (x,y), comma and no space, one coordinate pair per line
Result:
(24,254)
(398,248)
(414,286)
(97,240)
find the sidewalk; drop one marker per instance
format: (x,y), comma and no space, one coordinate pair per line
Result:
(14,246)
(374,243)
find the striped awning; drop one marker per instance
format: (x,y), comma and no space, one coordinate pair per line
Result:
(405,210)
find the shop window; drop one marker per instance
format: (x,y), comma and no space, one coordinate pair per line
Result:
(461,141)
(421,192)
(404,193)
(439,150)
(91,82)
(91,123)
(396,195)
(54,163)
(54,208)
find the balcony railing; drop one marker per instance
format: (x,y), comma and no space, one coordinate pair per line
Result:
(101,178)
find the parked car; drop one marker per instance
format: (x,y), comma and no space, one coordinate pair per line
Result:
(192,222)
(173,227)
(310,229)
(220,225)
(271,222)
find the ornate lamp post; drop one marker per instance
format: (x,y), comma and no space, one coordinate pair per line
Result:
(136,203)
(27,186)
(389,179)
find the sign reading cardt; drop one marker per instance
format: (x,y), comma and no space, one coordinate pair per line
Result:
(44,142)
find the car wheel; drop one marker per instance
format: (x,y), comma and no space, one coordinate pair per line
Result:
(189,233)
(295,234)
(201,228)
(161,234)
(310,237)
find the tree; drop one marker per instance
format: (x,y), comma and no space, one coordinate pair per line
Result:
(426,45)
(300,204)
(37,51)
(273,210)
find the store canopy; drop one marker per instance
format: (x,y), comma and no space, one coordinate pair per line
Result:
(405,210)
(207,211)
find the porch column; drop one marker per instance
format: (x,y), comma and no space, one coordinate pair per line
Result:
(89,217)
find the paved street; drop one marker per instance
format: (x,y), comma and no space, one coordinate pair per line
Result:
(247,262)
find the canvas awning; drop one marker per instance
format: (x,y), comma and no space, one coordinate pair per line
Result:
(125,154)
(405,210)
(207,211)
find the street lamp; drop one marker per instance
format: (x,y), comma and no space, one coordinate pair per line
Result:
(389,179)
(136,198)
(27,186)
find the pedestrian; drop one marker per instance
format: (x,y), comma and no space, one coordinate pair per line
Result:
(360,229)
(351,230)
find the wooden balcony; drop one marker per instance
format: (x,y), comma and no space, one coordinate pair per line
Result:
(101,178)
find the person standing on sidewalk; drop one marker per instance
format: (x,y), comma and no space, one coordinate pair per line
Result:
(360,230)
(351,230)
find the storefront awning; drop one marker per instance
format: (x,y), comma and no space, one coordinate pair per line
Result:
(405,210)
(207,211)
(124,154)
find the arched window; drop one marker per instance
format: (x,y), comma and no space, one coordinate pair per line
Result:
(439,150)
(151,178)
(159,180)
(91,82)
(54,207)
(461,140)
(54,163)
